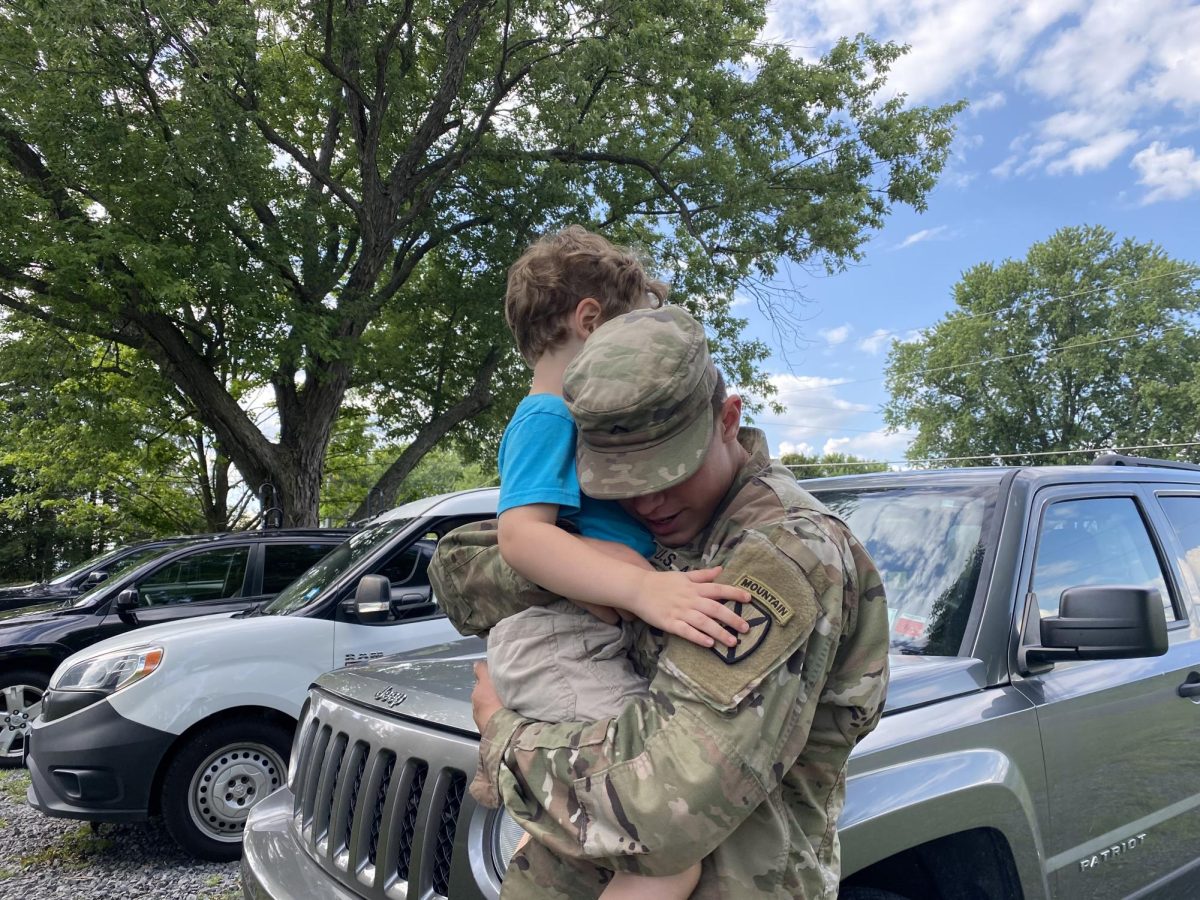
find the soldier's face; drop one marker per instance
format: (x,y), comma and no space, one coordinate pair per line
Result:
(675,516)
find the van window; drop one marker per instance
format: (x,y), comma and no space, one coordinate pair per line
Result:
(284,563)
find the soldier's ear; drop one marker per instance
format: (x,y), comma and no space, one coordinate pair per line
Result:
(587,317)
(730,419)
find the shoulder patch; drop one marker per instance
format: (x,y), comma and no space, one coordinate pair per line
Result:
(766,597)
(722,677)
(760,625)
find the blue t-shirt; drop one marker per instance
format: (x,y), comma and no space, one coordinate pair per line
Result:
(537,465)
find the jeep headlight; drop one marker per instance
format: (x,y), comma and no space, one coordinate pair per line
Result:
(506,834)
(109,672)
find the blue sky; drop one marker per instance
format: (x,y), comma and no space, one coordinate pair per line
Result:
(1082,113)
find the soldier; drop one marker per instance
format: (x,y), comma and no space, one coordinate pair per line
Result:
(738,756)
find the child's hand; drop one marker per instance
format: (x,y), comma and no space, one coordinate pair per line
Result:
(688,604)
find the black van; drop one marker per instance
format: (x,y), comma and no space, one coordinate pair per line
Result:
(201,576)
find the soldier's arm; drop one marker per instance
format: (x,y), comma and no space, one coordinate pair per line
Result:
(660,786)
(474,585)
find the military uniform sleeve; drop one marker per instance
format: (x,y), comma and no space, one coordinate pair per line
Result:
(472,583)
(664,783)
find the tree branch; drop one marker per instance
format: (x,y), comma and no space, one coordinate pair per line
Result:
(476,400)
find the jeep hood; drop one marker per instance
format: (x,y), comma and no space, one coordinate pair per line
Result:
(433,685)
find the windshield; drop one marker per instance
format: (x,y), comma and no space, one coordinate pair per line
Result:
(96,562)
(927,543)
(308,586)
(128,563)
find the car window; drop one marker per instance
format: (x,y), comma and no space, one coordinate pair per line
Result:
(1184,515)
(928,545)
(207,575)
(284,563)
(308,588)
(409,566)
(1094,541)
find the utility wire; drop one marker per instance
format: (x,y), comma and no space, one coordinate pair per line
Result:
(1045,351)
(1042,301)
(991,456)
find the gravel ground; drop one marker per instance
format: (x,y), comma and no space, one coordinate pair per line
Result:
(42,857)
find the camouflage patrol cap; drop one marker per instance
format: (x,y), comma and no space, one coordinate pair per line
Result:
(640,392)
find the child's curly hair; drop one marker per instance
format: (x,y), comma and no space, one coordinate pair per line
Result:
(555,273)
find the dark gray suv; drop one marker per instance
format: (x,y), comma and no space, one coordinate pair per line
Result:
(1041,735)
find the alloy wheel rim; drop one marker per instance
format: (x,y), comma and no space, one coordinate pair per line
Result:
(228,783)
(20,704)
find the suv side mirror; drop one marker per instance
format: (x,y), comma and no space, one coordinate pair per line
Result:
(372,599)
(127,601)
(1107,622)
(95,577)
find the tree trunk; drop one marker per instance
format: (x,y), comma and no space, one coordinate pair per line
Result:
(430,433)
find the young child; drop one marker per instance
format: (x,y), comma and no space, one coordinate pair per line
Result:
(560,662)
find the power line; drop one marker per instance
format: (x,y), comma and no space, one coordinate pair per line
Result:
(991,456)
(1045,351)
(1037,302)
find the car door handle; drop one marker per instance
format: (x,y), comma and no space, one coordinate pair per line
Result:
(1191,687)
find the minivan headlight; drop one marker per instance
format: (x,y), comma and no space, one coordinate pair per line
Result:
(109,672)
(506,834)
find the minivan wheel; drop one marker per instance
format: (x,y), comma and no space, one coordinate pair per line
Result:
(21,693)
(214,779)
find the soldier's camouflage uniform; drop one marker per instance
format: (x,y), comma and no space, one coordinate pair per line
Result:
(738,757)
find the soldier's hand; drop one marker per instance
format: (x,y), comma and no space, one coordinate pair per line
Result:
(688,604)
(485,702)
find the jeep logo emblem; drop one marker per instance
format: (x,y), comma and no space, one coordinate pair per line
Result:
(391,697)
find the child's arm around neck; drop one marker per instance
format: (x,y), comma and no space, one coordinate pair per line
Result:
(682,603)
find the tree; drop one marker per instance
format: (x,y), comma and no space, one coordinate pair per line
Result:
(98,450)
(262,183)
(829,464)
(1087,342)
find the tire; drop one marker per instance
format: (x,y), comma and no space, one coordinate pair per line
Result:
(21,693)
(215,777)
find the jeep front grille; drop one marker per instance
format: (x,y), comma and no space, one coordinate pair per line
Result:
(380,803)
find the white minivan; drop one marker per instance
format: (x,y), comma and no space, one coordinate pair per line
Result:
(194,719)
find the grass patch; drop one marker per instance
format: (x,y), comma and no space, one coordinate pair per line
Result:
(14,784)
(6,874)
(224,895)
(73,850)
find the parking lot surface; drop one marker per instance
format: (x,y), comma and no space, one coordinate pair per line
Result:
(42,857)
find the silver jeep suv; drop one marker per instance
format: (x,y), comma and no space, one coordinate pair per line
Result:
(1041,736)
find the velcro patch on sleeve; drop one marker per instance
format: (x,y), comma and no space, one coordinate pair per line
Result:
(785,613)
(763,595)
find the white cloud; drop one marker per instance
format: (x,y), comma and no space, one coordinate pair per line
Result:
(1095,155)
(872,445)
(925,234)
(1169,173)
(1110,70)
(786,448)
(994,100)
(835,336)
(812,408)
(877,340)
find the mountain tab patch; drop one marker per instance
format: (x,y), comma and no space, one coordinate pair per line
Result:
(767,598)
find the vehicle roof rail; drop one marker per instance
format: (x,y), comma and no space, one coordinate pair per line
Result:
(1120,459)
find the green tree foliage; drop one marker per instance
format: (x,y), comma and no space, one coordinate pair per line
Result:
(277,185)
(829,464)
(348,479)
(98,450)
(1087,342)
